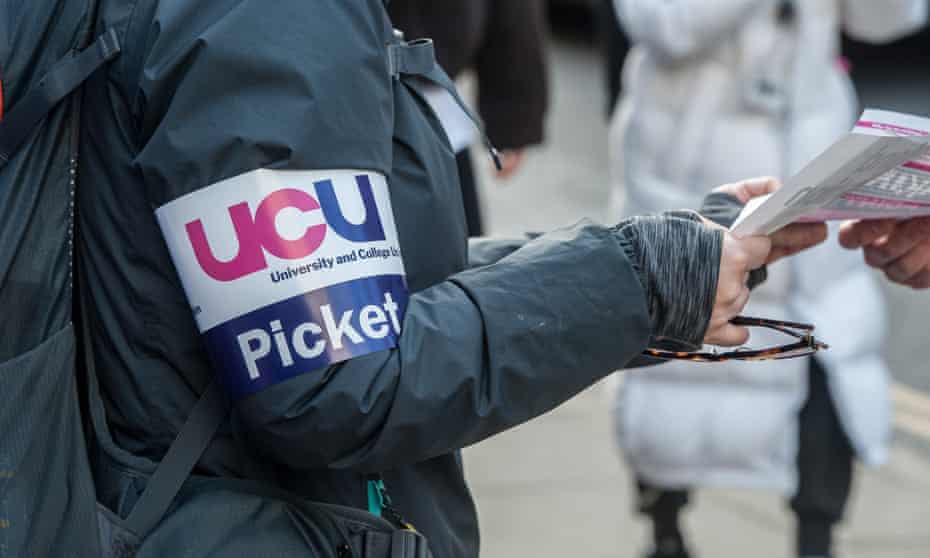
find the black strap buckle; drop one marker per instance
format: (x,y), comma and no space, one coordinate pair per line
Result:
(417,58)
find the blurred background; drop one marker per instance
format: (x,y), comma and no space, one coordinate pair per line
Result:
(556,486)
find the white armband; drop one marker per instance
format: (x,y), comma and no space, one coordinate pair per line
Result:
(288,271)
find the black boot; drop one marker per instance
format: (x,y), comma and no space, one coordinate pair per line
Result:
(667,539)
(669,547)
(815,538)
(663,508)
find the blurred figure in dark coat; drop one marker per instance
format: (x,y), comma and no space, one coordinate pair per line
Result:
(504,42)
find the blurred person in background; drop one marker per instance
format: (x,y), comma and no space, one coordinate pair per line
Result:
(714,91)
(615,45)
(504,42)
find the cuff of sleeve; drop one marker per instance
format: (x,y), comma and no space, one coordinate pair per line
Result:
(677,259)
(627,241)
(513,127)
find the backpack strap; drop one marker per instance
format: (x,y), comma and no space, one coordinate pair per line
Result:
(64,77)
(177,465)
(418,59)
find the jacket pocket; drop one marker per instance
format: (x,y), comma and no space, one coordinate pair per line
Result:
(45,480)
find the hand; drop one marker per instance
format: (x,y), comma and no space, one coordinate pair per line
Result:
(901,249)
(738,257)
(786,241)
(511,160)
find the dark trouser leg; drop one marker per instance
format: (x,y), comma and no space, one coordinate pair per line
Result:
(616,45)
(469,193)
(663,507)
(825,461)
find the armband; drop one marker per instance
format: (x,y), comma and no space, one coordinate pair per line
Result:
(288,272)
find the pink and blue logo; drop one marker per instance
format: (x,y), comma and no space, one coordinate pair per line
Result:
(257,232)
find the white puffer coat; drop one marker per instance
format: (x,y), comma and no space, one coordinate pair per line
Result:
(715,92)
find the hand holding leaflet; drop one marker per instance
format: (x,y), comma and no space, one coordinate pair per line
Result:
(786,241)
(879,170)
(736,270)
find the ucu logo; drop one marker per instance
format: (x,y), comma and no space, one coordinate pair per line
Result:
(258,233)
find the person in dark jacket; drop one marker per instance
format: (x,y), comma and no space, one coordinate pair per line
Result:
(504,42)
(264,198)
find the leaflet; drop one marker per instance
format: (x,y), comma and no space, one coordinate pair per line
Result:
(881,169)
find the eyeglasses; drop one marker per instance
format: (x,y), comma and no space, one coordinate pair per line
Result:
(805,346)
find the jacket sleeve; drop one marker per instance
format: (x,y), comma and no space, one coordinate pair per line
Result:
(484,250)
(480,352)
(511,69)
(881,21)
(678,29)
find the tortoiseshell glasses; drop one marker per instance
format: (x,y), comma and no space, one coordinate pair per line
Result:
(805,345)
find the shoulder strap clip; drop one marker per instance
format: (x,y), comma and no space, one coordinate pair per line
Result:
(418,59)
(64,77)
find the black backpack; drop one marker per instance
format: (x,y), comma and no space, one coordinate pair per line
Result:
(52,421)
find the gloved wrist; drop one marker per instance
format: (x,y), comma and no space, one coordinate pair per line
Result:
(677,259)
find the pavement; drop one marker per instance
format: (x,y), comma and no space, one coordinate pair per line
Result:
(555,486)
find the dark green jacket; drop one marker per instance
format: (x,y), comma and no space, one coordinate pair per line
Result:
(210,89)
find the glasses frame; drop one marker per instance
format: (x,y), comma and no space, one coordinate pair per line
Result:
(806,345)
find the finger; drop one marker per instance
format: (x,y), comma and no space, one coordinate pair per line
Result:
(728,336)
(920,281)
(779,253)
(868,258)
(782,253)
(507,169)
(757,249)
(746,190)
(901,240)
(910,264)
(730,286)
(872,253)
(726,308)
(511,161)
(799,236)
(761,186)
(856,234)
(740,302)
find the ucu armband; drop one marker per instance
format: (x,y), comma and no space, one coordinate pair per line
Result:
(288,272)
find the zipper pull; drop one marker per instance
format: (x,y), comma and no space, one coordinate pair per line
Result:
(385,504)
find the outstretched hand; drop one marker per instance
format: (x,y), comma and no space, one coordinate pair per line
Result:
(901,249)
